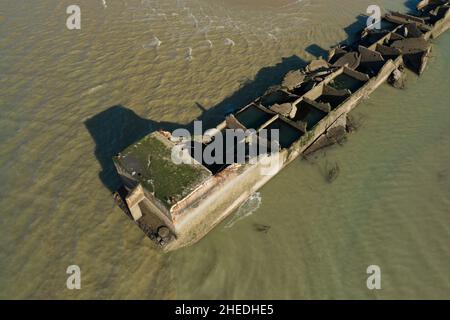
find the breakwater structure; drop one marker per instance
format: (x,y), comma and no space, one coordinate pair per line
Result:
(178,204)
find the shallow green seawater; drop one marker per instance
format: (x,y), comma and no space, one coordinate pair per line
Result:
(70,99)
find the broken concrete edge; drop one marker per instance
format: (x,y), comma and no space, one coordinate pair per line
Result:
(288,154)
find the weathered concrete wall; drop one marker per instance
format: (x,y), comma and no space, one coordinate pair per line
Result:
(235,186)
(237,183)
(439,28)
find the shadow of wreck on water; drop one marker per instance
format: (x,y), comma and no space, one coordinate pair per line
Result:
(117,127)
(112,131)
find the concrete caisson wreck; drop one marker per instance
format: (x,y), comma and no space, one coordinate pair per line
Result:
(178,204)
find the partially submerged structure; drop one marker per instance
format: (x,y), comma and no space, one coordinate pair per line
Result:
(178,204)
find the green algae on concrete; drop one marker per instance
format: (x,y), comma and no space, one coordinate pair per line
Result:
(149,163)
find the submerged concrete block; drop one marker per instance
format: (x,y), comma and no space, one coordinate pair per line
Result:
(411,45)
(285,109)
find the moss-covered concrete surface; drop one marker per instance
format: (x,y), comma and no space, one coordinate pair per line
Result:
(149,162)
